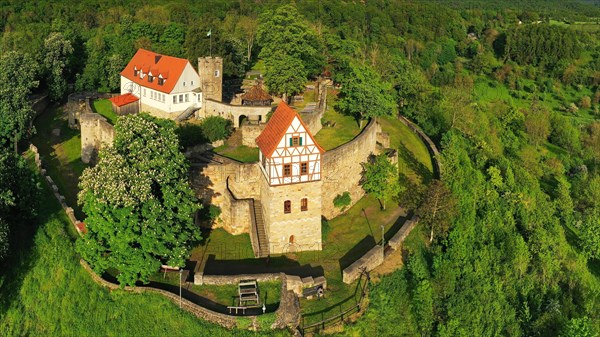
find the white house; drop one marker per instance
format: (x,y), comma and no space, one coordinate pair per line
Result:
(166,86)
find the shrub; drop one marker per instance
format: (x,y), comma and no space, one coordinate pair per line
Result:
(342,201)
(216,128)
(190,134)
(585,102)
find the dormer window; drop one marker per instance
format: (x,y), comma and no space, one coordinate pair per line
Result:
(150,78)
(135,72)
(161,81)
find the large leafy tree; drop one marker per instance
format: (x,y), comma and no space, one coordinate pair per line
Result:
(363,95)
(138,201)
(57,51)
(17,79)
(437,210)
(285,75)
(380,179)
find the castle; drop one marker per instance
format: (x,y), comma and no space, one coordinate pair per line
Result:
(279,200)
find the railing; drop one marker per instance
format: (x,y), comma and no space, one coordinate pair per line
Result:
(337,319)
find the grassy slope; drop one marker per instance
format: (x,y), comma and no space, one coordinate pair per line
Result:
(47,293)
(104,107)
(61,155)
(242,153)
(345,129)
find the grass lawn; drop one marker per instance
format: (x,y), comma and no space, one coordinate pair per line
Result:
(45,292)
(414,160)
(104,107)
(61,155)
(345,129)
(242,153)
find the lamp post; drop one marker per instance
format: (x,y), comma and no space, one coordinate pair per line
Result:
(180,273)
(382,239)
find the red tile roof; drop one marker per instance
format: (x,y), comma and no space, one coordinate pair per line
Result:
(278,124)
(123,99)
(169,67)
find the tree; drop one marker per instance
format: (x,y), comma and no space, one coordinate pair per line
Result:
(537,123)
(363,95)
(380,179)
(580,327)
(216,128)
(4,244)
(247,27)
(138,201)
(17,79)
(437,209)
(57,52)
(284,32)
(285,75)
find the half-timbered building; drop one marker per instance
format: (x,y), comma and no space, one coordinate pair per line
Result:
(290,160)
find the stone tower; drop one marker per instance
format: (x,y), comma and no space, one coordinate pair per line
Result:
(290,192)
(210,70)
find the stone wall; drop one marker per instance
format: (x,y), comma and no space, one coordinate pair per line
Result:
(431,147)
(375,257)
(96,133)
(250,132)
(342,168)
(233,112)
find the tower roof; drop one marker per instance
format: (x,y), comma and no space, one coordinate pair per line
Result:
(276,128)
(257,93)
(167,67)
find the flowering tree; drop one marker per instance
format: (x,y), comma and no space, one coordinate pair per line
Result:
(138,202)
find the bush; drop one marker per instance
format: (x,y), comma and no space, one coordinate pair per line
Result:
(585,102)
(190,134)
(342,201)
(216,128)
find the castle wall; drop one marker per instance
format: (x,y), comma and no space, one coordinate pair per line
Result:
(342,168)
(96,133)
(250,132)
(233,112)
(304,226)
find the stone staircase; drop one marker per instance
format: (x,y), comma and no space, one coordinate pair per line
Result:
(263,243)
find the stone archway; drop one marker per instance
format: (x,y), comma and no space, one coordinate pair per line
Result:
(241,119)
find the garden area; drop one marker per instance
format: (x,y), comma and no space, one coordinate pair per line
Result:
(104,108)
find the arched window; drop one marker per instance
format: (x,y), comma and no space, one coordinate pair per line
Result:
(304,204)
(292,239)
(287,206)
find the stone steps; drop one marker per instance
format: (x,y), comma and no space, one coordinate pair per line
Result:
(260,225)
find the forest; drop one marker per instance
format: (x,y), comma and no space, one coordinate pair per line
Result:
(509,91)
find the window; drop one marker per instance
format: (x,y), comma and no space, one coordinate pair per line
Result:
(296,141)
(287,170)
(135,72)
(144,92)
(303,168)
(150,78)
(216,73)
(187,97)
(192,83)
(181,98)
(184,83)
(292,240)
(161,81)
(175,99)
(287,206)
(162,98)
(151,94)
(304,204)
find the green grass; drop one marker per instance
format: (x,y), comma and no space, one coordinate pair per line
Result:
(45,292)
(269,293)
(242,153)
(345,129)
(61,155)
(414,159)
(104,107)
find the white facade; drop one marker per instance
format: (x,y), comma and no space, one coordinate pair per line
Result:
(296,159)
(184,94)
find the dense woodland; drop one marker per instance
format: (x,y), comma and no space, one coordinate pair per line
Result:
(510,92)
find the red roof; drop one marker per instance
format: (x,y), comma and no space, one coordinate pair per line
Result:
(123,99)
(278,124)
(168,67)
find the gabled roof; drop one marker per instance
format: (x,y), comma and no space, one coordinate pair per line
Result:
(278,124)
(168,67)
(257,93)
(123,99)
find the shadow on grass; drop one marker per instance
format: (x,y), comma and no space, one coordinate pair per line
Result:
(414,164)
(22,253)
(273,264)
(357,251)
(594,267)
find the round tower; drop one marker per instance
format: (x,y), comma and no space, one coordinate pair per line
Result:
(210,70)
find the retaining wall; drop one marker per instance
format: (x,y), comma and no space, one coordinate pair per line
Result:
(342,168)
(431,147)
(375,257)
